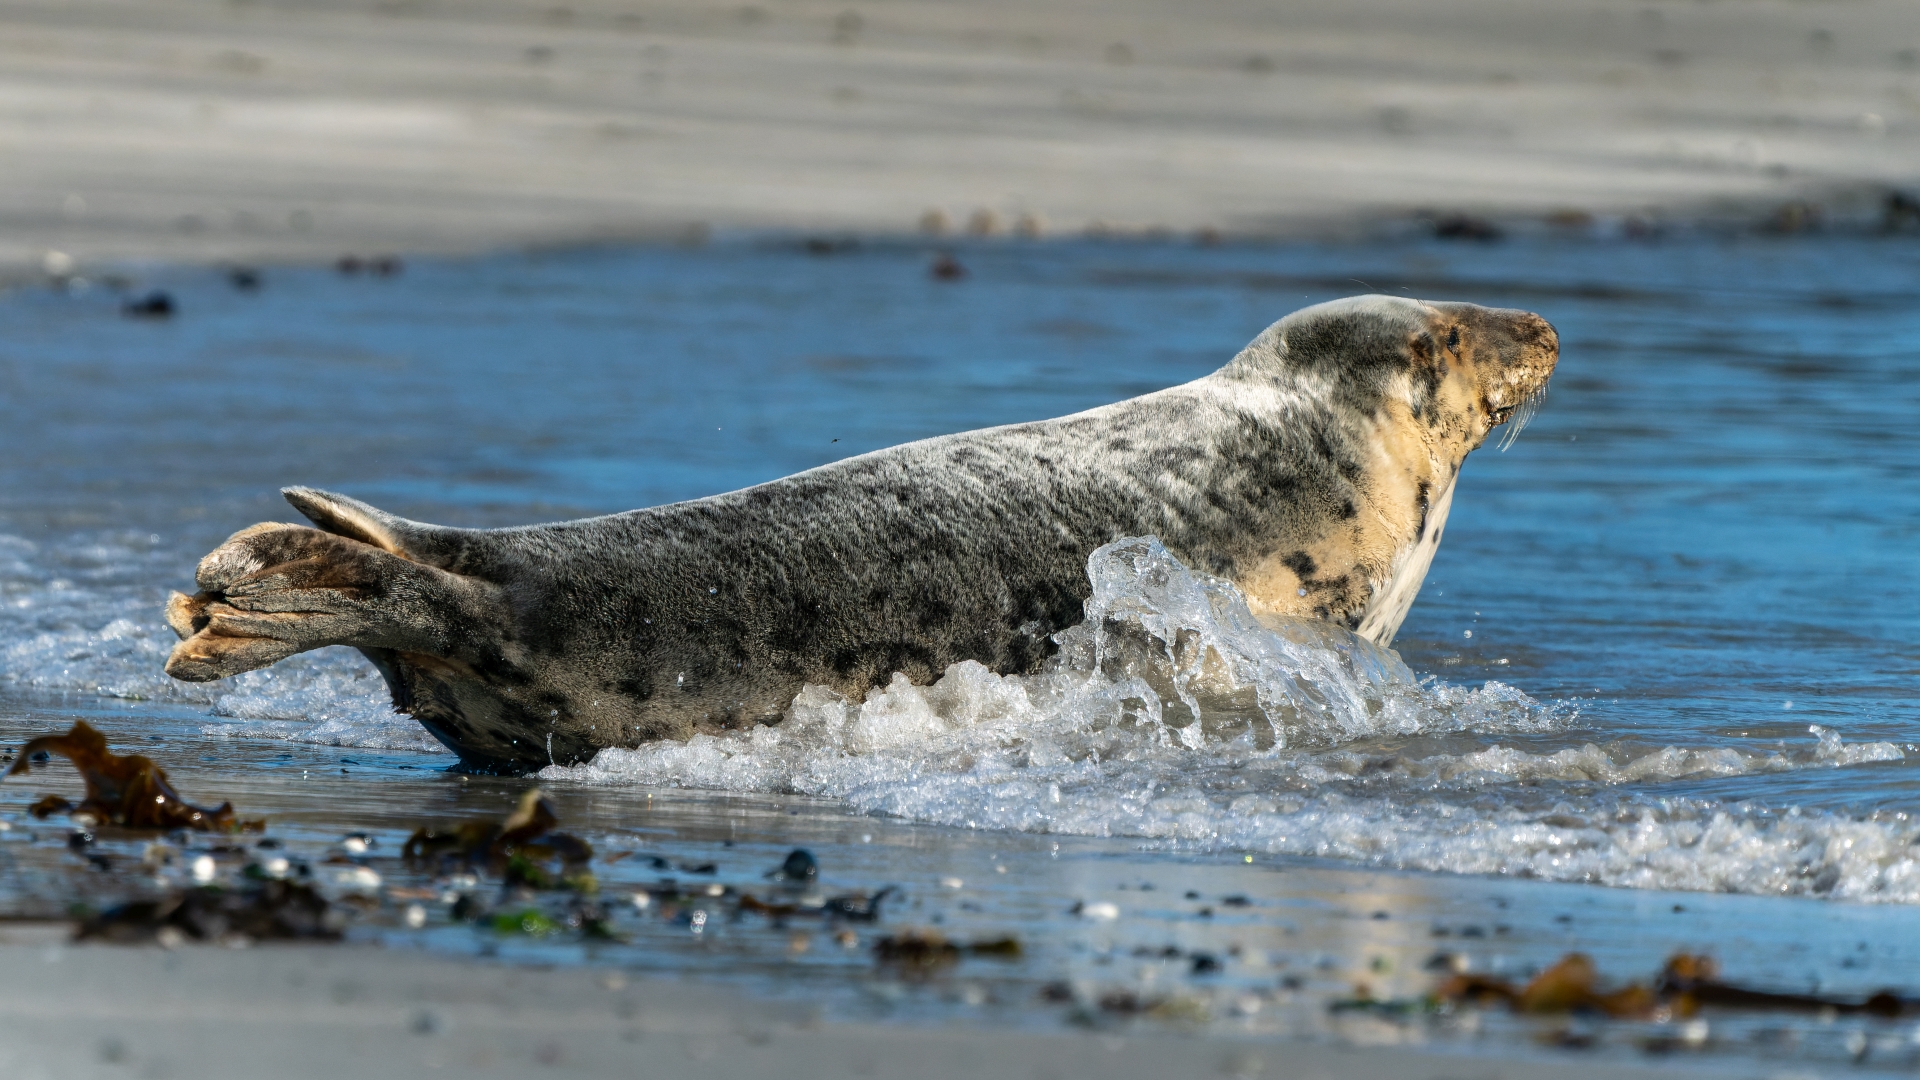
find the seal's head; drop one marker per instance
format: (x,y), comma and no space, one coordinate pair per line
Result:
(1508,355)
(1383,398)
(1459,370)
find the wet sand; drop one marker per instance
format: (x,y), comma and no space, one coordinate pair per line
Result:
(76,1012)
(263,129)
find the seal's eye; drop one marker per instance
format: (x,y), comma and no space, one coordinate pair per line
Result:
(1453,338)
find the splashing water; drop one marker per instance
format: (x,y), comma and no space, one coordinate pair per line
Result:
(80,615)
(1174,714)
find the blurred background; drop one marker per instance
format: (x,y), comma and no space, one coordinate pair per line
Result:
(261,129)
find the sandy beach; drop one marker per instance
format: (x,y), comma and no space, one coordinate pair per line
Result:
(267,129)
(297,1012)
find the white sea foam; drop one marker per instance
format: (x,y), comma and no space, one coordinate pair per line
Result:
(84,616)
(1107,744)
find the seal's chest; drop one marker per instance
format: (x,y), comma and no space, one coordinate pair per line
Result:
(1394,596)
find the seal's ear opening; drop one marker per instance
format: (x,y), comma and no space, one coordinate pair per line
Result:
(434,545)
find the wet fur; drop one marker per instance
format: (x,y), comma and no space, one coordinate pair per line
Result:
(1315,470)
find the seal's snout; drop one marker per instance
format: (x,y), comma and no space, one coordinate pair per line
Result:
(1537,335)
(1538,339)
(1515,384)
(1528,357)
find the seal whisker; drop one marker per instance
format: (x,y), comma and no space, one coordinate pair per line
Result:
(1522,416)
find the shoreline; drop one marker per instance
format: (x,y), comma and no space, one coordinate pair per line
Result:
(257,130)
(1867,218)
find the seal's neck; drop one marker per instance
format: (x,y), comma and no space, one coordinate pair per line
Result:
(1392,600)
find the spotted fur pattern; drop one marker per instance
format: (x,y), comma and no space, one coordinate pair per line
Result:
(1315,471)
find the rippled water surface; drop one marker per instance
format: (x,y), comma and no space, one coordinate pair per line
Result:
(1668,643)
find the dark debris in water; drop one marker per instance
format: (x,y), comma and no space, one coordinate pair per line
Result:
(591,921)
(522,850)
(128,791)
(853,907)
(926,951)
(154,305)
(1697,977)
(1684,985)
(262,911)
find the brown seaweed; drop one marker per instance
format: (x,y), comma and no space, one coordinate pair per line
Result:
(46,806)
(522,850)
(1697,978)
(926,951)
(1686,983)
(1567,986)
(270,910)
(129,791)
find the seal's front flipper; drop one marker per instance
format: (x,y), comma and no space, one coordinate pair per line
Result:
(274,590)
(435,545)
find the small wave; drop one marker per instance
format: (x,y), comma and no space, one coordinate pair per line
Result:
(330,700)
(83,615)
(1174,714)
(1594,764)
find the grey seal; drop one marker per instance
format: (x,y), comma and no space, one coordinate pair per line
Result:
(1315,471)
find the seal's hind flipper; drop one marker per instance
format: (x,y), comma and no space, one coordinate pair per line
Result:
(435,545)
(275,590)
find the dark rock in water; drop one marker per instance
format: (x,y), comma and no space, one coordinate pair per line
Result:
(468,908)
(857,908)
(350,265)
(1465,227)
(154,305)
(244,278)
(1794,217)
(1902,211)
(947,268)
(1205,964)
(269,911)
(799,867)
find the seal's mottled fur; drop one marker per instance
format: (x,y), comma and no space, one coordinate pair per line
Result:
(1315,471)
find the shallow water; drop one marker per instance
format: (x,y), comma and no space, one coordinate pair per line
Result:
(1667,643)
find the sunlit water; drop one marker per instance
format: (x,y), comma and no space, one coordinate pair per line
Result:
(1667,645)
